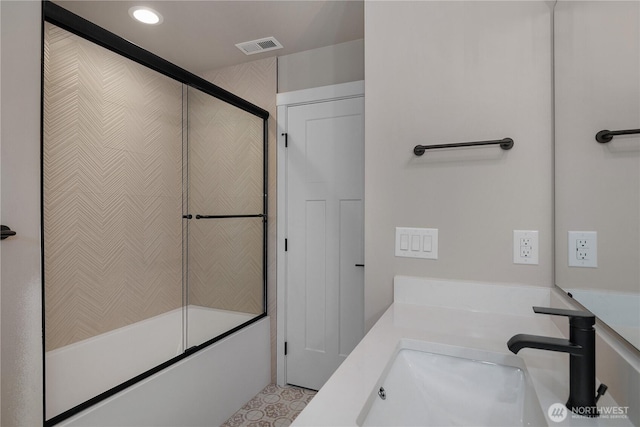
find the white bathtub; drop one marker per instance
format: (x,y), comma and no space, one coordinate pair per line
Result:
(617,309)
(80,371)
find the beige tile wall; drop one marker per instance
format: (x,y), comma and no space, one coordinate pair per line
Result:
(225,178)
(113,196)
(256,81)
(112,190)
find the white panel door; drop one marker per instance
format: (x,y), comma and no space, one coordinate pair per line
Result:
(21,288)
(325,238)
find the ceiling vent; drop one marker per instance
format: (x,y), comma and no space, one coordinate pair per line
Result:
(260,45)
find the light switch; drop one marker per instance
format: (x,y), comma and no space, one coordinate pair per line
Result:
(417,242)
(404,242)
(427,245)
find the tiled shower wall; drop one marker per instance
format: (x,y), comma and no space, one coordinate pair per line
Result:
(113,194)
(257,81)
(112,190)
(225,178)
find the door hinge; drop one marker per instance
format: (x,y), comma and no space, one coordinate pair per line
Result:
(285,348)
(286,139)
(286,245)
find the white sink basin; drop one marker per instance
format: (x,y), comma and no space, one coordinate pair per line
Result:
(427,384)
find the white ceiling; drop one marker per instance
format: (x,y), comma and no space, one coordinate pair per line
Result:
(201,35)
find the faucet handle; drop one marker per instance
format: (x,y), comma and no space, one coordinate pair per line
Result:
(579,318)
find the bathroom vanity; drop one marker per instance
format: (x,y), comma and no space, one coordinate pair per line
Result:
(439,356)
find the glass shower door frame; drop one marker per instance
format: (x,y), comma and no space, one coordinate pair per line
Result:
(62,18)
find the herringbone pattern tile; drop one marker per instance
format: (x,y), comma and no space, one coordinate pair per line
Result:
(112,190)
(225,158)
(113,165)
(225,178)
(225,264)
(256,81)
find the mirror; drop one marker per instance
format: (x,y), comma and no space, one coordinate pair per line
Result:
(597,87)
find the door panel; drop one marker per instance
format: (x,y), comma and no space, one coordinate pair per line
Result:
(351,253)
(325,188)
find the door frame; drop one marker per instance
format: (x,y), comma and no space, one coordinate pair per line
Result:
(283,102)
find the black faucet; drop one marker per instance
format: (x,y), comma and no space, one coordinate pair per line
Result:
(581,347)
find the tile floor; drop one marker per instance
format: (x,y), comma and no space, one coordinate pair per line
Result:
(274,406)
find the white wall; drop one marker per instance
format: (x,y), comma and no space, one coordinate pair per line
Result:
(340,63)
(439,72)
(21,290)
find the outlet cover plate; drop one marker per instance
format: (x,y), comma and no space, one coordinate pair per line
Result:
(583,249)
(525,247)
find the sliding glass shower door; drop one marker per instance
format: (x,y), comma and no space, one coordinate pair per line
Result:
(154,216)
(112,160)
(226,202)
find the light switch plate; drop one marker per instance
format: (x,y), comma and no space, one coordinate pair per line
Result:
(525,247)
(417,242)
(583,249)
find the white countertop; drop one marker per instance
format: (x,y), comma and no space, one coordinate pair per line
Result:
(343,397)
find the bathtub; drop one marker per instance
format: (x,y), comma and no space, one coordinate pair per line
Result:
(82,370)
(617,309)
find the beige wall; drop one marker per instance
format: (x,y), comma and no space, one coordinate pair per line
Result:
(21,286)
(597,49)
(112,163)
(256,82)
(439,72)
(340,63)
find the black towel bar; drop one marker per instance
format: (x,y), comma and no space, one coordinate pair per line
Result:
(605,136)
(505,144)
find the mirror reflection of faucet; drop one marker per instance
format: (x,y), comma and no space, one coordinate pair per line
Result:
(581,347)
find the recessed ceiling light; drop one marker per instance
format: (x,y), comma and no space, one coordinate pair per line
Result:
(145,15)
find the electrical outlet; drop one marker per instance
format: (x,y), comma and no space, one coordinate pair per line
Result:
(583,249)
(525,247)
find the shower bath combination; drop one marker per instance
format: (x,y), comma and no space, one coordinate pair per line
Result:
(154,213)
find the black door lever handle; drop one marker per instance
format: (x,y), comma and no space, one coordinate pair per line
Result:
(6,232)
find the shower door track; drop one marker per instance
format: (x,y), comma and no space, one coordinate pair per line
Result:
(88,30)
